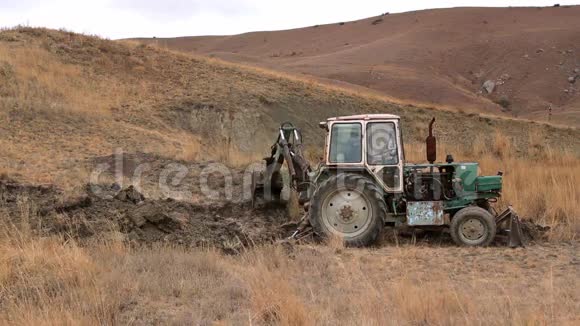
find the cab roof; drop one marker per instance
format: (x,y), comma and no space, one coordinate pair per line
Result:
(365,117)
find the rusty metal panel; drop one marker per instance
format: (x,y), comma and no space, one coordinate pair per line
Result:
(425,213)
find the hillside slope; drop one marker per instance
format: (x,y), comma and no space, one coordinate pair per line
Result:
(432,57)
(106,253)
(67,98)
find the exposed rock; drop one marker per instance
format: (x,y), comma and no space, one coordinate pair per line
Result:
(489,86)
(539,50)
(502,79)
(130,194)
(505,77)
(577,70)
(116,187)
(572,79)
(137,218)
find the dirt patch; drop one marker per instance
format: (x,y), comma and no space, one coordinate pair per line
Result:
(140,220)
(106,210)
(534,232)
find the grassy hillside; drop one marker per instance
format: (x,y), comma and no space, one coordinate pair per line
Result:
(432,57)
(68,101)
(68,97)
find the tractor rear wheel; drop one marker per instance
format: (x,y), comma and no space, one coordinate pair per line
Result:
(473,226)
(348,206)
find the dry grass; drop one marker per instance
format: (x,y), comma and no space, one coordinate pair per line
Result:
(49,281)
(40,82)
(230,155)
(194,150)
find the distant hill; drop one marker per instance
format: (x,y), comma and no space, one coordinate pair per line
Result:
(432,57)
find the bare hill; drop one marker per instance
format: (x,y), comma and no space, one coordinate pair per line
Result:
(432,57)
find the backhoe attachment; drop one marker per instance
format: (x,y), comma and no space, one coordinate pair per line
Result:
(267,185)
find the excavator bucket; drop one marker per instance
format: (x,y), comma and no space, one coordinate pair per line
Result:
(508,222)
(266,187)
(257,188)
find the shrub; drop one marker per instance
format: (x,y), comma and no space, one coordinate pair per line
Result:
(504,102)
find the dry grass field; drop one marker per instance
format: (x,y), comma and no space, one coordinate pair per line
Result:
(68,100)
(51,281)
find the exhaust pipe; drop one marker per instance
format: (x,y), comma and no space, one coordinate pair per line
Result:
(431,143)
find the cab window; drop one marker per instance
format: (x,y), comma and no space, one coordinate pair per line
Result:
(346,143)
(382,144)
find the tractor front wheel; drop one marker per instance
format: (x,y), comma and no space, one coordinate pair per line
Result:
(348,206)
(473,226)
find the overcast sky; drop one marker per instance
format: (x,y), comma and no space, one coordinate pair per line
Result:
(166,18)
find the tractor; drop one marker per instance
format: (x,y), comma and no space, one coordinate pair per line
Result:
(364,184)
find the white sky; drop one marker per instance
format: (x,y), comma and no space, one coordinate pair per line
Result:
(167,18)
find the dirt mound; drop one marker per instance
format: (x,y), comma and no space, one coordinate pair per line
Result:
(534,232)
(138,219)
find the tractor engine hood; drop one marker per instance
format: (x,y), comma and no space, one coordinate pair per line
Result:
(467,172)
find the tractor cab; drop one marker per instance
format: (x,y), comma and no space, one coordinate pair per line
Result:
(371,142)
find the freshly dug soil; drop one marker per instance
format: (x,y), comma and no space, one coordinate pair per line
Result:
(228,225)
(140,220)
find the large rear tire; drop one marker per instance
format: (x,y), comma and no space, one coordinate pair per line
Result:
(348,206)
(473,227)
